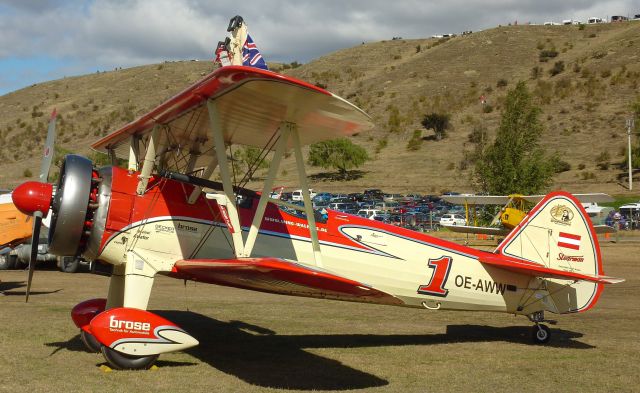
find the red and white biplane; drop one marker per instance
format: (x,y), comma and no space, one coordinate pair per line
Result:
(156,218)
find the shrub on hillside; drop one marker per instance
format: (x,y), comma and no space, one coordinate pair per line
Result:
(547,54)
(558,67)
(439,122)
(560,165)
(536,72)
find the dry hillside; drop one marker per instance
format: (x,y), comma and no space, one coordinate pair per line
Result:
(397,82)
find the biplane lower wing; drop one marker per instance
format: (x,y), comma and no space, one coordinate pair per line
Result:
(537,270)
(275,275)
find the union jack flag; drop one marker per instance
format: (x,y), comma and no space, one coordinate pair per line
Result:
(251,55)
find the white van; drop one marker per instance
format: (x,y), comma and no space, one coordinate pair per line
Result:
(297,195)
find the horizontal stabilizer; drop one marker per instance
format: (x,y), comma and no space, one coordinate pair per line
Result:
(279,276)
(537,270)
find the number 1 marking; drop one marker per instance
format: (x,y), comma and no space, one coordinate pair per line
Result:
(435,287)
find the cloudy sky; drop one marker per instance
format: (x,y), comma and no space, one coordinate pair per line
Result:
(42,40)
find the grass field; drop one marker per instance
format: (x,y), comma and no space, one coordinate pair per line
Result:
(254,342)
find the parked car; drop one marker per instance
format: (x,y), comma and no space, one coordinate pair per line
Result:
(392,197)
(370,213)
(374,193)
(297,195)
(452,219)
(285,196)
(322,198)
(345,207)
(337,197)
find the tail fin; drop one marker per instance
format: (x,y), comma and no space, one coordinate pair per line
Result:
(558,234)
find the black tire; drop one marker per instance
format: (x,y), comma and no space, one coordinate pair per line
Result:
(6,262)
(68,264)
(120,361)
(89,341)
(541,334)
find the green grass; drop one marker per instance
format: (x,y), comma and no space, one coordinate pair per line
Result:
(255,342)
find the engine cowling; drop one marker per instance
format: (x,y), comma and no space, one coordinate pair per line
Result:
(80,208)
(70,205)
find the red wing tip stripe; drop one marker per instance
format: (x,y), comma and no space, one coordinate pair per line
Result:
(568,245)
(569,236)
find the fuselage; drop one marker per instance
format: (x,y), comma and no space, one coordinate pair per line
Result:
(418,269)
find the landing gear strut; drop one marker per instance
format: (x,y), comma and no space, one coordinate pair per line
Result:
(540,334)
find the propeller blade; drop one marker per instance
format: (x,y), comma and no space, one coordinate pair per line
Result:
(37,220)
(49,150)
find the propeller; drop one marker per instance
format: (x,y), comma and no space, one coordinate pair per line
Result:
(47,158)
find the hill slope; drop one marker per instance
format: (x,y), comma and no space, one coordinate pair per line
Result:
(397,82)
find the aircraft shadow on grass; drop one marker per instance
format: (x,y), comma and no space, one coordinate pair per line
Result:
(260,357)
(7,289)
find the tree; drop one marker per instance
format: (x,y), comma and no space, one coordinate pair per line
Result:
(438,122)
(249,158)
(515,163)
(340,154)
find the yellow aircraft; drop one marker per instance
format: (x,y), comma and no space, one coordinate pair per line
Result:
(515,207)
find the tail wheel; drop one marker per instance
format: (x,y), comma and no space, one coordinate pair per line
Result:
(541,334)
(89,341)
(120,361)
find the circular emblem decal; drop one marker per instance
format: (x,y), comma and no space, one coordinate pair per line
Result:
(561,214)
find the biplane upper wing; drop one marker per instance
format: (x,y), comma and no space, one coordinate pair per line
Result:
(276,275)
(251,104)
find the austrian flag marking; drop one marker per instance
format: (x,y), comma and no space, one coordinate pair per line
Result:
(568,240)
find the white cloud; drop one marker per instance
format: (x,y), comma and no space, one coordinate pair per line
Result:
(102,34)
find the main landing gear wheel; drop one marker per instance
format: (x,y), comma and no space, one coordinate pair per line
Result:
(541,334)
(89,341)
(120,361)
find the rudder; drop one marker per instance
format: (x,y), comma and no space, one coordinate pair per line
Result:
(558,234)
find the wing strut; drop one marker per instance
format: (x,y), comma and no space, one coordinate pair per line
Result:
(134,153)
(308,206)
(284,131)
(228,202)
(288,132)
(149,160)
(213,164)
